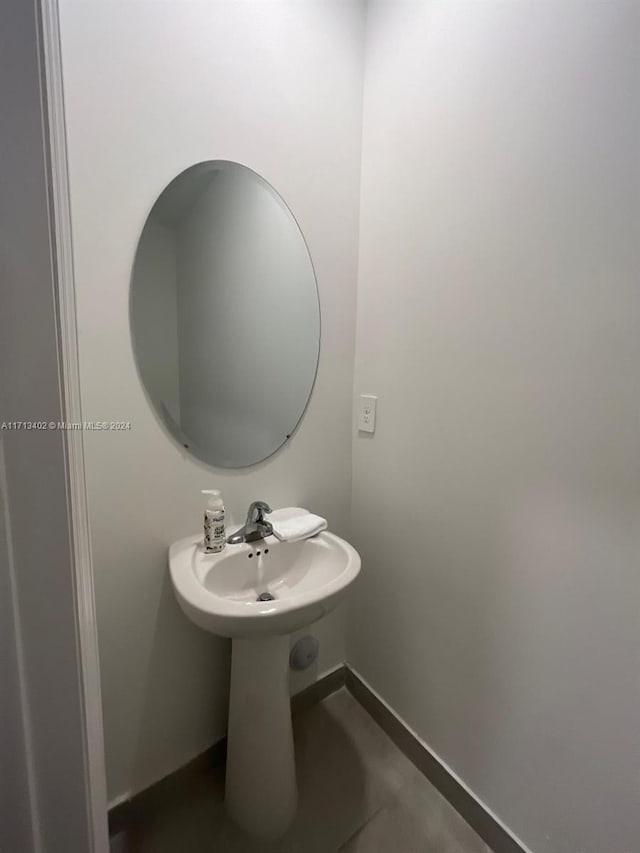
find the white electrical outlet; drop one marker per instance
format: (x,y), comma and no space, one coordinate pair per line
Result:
(367,413)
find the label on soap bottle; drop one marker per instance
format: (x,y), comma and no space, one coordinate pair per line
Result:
(214,531)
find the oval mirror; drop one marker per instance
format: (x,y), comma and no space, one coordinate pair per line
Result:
(225,316)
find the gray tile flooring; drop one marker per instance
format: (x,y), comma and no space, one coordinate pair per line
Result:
(357,794)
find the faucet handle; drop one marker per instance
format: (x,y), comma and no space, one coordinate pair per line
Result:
(256,510)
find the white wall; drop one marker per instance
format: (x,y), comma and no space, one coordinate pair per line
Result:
(499,323)
(151,88)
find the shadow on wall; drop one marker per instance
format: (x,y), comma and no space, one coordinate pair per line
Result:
(571,653)
(160,745)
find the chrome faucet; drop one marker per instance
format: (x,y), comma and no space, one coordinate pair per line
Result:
(255,527)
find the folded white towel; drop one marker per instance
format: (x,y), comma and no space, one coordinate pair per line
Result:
(293,523)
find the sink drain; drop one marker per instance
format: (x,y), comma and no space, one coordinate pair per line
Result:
(266,596)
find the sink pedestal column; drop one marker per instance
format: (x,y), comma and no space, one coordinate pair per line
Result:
(261,794)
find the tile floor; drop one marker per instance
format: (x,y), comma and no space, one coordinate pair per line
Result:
(357,794)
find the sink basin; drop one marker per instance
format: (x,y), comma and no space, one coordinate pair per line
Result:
(219,592)
(302,581)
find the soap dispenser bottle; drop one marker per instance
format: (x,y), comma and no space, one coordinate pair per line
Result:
(214,531)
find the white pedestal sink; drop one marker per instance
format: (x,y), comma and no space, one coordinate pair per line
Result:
(219,593)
